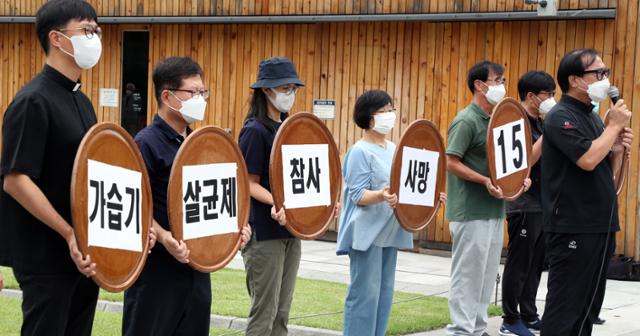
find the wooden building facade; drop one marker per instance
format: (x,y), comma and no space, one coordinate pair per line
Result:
(422,63)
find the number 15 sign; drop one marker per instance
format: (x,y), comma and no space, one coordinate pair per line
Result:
(509,147)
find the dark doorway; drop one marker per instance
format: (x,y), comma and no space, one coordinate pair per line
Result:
(135,80)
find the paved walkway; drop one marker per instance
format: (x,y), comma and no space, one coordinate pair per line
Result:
(429,275)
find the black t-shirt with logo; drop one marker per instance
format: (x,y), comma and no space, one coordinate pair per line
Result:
(41,132)
(575,200)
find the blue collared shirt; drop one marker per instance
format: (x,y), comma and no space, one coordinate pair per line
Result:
(159,144)
(367,166)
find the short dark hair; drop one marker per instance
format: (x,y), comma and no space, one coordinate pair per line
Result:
(575,63)
(480,71)
(535,82)
(367,104)
(171,72)
(56,14)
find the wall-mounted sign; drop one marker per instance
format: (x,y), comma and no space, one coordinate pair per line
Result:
(324,108)
(108,97)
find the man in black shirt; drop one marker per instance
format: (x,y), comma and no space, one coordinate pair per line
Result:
(42,129)
(525,254)
(579,201)
(169,297)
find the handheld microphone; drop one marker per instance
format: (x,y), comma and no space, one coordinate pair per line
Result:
(614,94)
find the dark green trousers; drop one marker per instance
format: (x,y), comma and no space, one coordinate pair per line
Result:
(271,266)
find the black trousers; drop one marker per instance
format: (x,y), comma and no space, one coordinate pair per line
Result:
(169,298)
(57,304)
(576,277)
(522,270)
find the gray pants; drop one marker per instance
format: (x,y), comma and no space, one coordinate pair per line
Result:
(271,266)
(476,257)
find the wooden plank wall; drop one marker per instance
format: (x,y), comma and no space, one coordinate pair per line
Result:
(290,7)
(422,65)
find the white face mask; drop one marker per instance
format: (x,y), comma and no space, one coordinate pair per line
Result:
(495,93)
(384,122)
(597,91)
(283,101)
(192,110)
(86,51)
(546,105)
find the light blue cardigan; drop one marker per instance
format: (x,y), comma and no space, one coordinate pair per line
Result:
(367,166)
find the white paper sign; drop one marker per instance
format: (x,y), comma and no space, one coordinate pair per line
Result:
(510,148)
(108,97)
(418,176)
(305,172)
(114,206)
(324,108)
(209,200)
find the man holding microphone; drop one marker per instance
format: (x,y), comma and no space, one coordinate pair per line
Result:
(579,200)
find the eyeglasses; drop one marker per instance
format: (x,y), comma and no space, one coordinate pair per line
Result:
(194,93)
(500,80)
(600,73)
(89,31)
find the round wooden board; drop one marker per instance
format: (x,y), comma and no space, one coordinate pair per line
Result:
(208,145)
(622,170)
(116,270)
(421,134)
(304,128)
(506,111)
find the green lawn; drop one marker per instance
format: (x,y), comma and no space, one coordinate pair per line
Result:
(316,304)
(105,324)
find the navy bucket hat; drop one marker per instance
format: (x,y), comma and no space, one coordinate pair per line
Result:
(276,71)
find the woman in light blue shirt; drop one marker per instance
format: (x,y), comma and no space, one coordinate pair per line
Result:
(369,232)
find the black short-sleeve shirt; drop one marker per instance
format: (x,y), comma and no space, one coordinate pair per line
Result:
(256,140)
(42,129)
(530,201)
(575,200)
(159,144)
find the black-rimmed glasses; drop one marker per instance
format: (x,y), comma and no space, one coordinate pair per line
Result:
(194,93)
(90,32)
(600,73)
